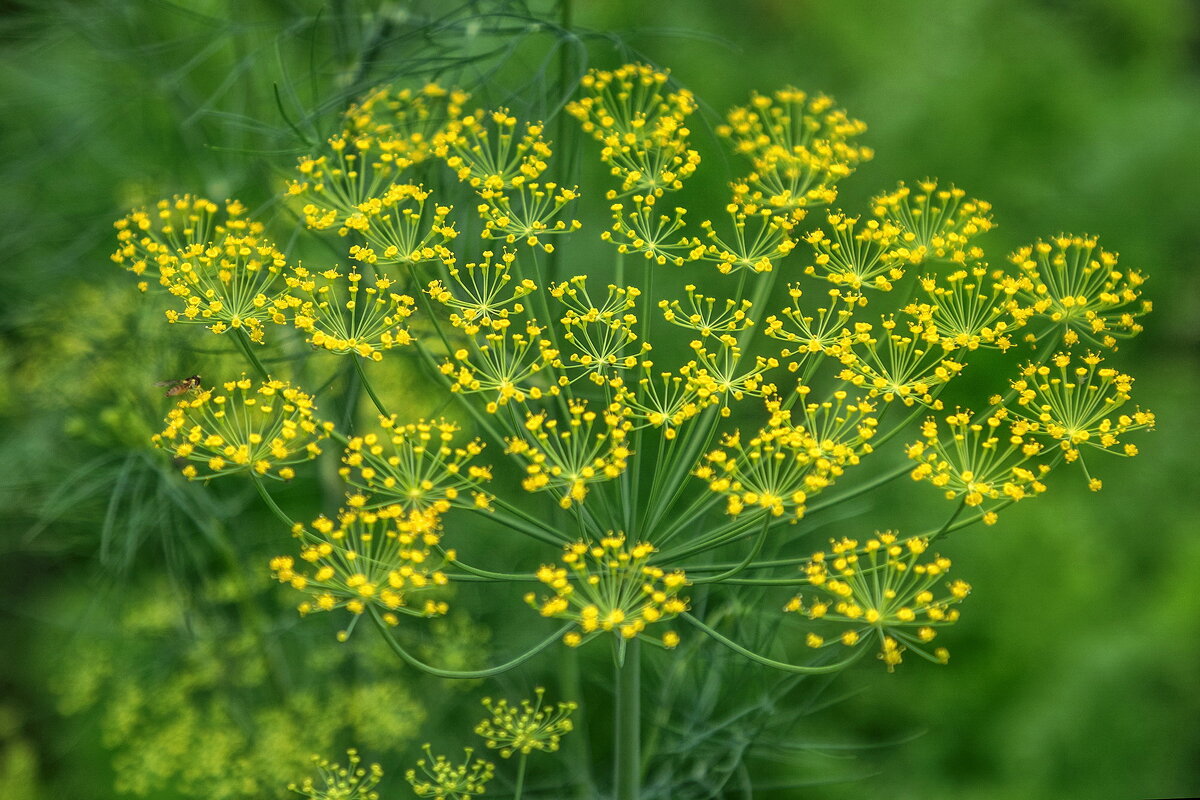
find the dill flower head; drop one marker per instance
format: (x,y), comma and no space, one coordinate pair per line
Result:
(900,359)
(784,464)
(608,586)
(656,235)
(486,153)
(813,334)
(881,590)
(992,458)
(381,557)
(408,119)
(565,456)
(799,148)
(641,126)
(872,255)
(150,239)
(599,334)
(501,363)
(351,782)
(1079,286)
(443,780)
(939,222)
(416,466)
(223,275)
(1074,401)
(479,293)
(242,427)
(400,226)
(525,728)
(760,240)
(343,314)
(974,307)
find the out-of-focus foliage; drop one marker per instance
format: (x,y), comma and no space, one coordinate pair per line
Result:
(1078,676)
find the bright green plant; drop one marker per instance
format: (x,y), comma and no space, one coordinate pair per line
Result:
(662,419)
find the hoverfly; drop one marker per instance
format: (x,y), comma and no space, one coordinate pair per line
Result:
(180,386)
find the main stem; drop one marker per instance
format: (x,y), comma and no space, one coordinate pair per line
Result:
(628,717)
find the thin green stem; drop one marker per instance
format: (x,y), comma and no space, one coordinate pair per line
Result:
(271,504)
(413,661)
(874,483)
(770,662)
(366,384)
(737,568)
(483,573)
(243,340)
(627,722)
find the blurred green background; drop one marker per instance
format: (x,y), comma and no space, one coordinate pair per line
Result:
(1076,672)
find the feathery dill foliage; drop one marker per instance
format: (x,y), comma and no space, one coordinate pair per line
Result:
(668,441)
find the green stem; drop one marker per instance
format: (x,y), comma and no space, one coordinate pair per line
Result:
(770,662)
(874,483)
(243,341)
(271,504)
(737,568)
(362,377)
(483,573)
(579,744)
(412,660)
(520,776)
(627,722)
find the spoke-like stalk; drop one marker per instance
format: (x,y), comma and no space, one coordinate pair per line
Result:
(243,340)
(413,661)
(366,384)
(770,662)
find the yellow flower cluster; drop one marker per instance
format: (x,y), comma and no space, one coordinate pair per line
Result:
(872,255)
(149,240)
(1079,286)
(901,359)
(382,137)
(224,274)
(642,129)
(971,311)
(881,590)
(500,363)
(525,728)
(262,429)
(938,223)
(409,119)
(566,456)
(607,586)
(482,295)
(417,467)
(601,335)
(351,782)
(443,780)
(341,314)
(401,227)
(366,558)
(780,468)
(811,334)
(1074,402)
(799,148)
(977,460)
